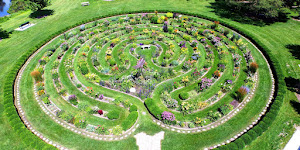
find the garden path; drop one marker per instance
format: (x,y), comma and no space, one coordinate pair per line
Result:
(293,143)
(148,142)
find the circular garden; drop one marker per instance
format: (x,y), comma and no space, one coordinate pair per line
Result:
(114,77)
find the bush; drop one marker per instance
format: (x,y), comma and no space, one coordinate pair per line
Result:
(240,143)
(191,125)
(184,95)
(113,114)
(84,69)
(247,139)
(117,130)
(37,76)
(242,92)
(253,67)
(232,146)
(78,85)
(46,100)
(73,99)
(153,108)
(133,108)
(130,120)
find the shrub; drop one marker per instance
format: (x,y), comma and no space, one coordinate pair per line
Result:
(169,15)
(242,92)
(102,130)
(225,109)
(117,130)
(240,143)
(46,100)
(217,74)
(82,105)
(181,124)
(130,120)
(78,85)
(73,99)
(37,76)
(232,146)
(186,37)
(153,108)
(246,138)
(191,125)
(184,95)
(84,69)
(113,114)
(154,19)
(133,108)
(253,67)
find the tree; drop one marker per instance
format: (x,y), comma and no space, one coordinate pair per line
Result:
(18,5)
(258,8)
(37,5)
(3,34)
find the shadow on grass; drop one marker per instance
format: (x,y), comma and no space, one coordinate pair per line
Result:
(294,49)
(296,106)
(41,13)
(292,84)
(4,34)
(243,16)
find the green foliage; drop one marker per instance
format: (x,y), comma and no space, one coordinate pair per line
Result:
(117,130)
(130,120)
(38,4)
(133,108)
(114,114)
(153,108)
(18,5)
(184,95)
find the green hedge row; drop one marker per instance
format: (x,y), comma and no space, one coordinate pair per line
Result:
(114,114)
(153,108)
(130,120)
(34,142)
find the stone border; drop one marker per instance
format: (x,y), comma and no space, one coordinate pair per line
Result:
(263,111)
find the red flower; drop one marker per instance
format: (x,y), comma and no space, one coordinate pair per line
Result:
(100,112)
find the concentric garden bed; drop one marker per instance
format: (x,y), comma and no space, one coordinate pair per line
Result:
(196,78)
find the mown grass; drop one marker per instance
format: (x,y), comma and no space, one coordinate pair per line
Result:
(275,36)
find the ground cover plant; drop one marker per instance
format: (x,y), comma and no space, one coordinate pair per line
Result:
(255,30)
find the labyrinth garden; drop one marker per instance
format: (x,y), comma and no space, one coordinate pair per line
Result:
(114,77)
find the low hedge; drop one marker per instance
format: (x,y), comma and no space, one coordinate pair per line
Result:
(153,108)
(114,114)
(133,108)
(130,120)
(184,95)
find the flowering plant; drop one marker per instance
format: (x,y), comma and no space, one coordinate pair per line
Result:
(168,117)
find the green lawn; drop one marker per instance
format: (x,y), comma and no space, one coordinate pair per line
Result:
(275,36)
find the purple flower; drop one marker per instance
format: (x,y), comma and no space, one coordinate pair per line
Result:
(168,116)
(229,81)
(245,88)
(101,96)
(72,97)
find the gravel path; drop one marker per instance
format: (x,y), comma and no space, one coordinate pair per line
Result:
(294,142)
(148,142)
